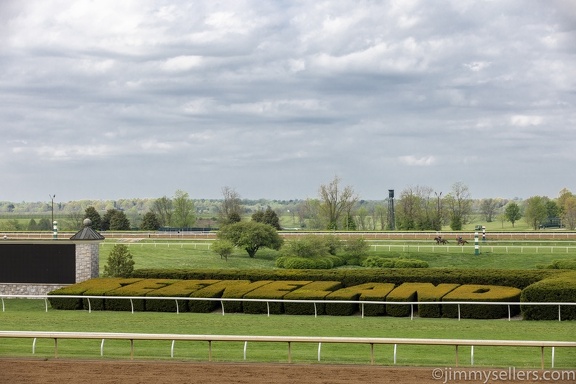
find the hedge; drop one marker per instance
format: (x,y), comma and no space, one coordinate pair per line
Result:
(179,288)
(481,293)
(417,292)
(559,289)
(93,287)
(349,277)
(317,290)
(348,284)
(276,290)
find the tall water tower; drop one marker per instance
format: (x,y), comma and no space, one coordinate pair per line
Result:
(391,220)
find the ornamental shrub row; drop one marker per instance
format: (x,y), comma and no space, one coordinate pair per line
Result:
(282,295)
(349,277)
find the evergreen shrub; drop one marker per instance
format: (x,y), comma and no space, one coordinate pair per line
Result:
(559,289)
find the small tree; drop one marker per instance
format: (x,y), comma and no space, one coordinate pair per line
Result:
(222,247)
(150,222)
(251,236)
(269,216)
(119,222)
(120,263)
(92,214)
(512,212)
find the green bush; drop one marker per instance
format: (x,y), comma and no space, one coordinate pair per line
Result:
(481,293)
(120,262)
(562,264)
(383,262)
(559,289)
(317,290)
(275,290)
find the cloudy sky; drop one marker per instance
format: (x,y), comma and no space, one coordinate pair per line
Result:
(119,99)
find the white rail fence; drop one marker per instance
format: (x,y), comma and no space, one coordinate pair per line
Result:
(223,300)
(286,339)
(450,248)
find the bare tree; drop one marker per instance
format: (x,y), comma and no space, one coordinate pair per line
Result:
(459,205)
(336,203)
(488,208)
(231,208)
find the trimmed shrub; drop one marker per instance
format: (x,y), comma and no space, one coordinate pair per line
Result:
(481,293)
(417,292)
(362,292)
(276,290)
(383,262)
(317,290)
(234,289)
(140,288)
(180,288)
(555,290)
(562,264)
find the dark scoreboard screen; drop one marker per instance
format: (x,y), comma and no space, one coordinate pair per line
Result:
(38,263)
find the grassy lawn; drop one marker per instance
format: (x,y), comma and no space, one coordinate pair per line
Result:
(30,315)
(196,254)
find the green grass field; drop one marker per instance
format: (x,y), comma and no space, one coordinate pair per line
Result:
(30,315)
(196,254)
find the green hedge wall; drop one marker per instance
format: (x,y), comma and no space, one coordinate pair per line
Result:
(440,285)
(561,288)
(481,293)
(349,277)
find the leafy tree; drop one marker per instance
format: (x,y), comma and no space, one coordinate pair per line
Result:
(231,209)
(512,212)
(567,204)
(535,212)
(163,207)
(183,216)
(222,247)
(355,249)
(32,225)
(336,203)
(92,214)
(552,209)
(569,213)
(44,224)
(269,216)
(150,222)
(119,222)
(308,246)
(105,222)
(251,236)
(120,262)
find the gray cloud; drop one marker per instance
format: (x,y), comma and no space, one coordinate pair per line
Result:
(109,100)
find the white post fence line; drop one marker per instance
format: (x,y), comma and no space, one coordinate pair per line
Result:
(285,339)
(222,300)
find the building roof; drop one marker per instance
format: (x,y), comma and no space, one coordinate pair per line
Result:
(87,233)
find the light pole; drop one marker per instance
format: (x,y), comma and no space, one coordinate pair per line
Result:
(52,199)
(439,207)
(54,225)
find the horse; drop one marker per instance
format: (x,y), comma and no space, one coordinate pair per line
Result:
(461,241)
(440,240)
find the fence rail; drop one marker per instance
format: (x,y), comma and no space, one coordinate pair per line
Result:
(223,300)
(285,339)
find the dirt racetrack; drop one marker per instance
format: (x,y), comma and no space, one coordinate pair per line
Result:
(34,371)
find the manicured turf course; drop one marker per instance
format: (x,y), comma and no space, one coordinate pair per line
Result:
(30,315)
